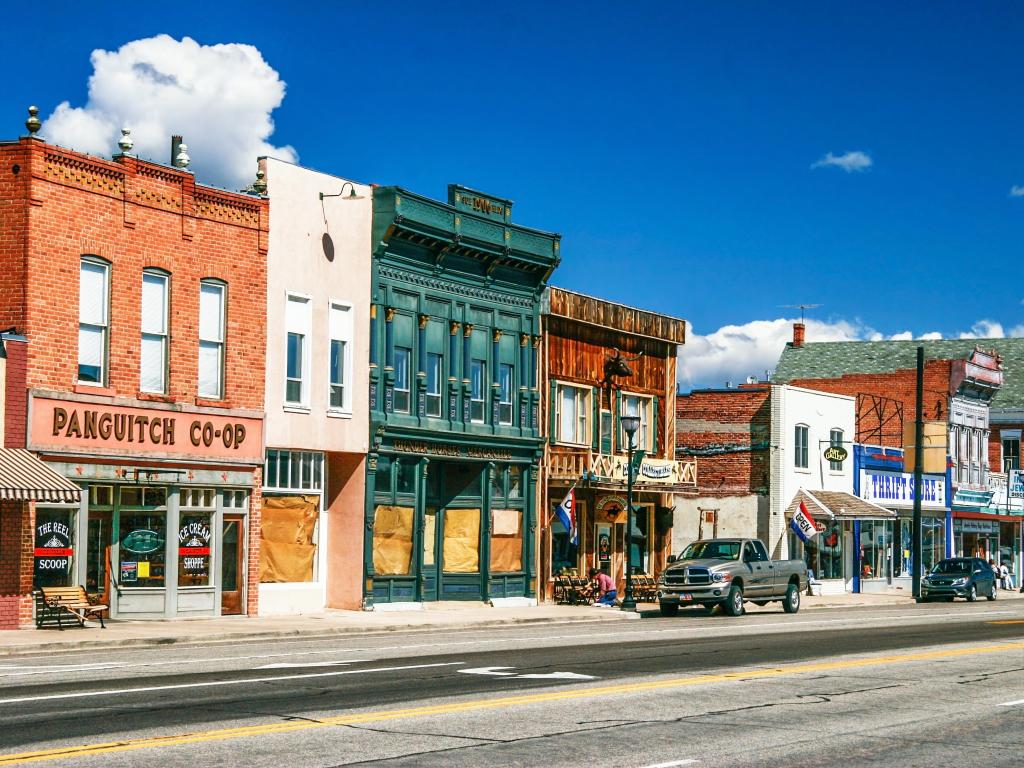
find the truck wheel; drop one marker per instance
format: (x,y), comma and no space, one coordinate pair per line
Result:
(668,609)
(733,604)
(791,602)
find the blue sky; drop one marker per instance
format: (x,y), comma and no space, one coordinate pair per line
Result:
(671,145)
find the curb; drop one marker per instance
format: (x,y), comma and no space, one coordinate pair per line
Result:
(285,634)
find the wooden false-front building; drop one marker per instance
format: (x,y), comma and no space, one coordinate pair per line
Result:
(600,361)
(454,402)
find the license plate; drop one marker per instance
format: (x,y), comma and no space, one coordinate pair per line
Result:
(686,596)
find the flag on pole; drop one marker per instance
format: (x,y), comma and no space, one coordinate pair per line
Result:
(803,524)
(566,512)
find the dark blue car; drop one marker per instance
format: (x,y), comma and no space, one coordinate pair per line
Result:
(966,577)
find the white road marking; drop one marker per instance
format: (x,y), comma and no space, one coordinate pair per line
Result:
(1012,703)
(672,764)
(309,664)
(496,672)
(218,683)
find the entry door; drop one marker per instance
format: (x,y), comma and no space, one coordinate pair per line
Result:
(97,554)
(232,569)
(431,572)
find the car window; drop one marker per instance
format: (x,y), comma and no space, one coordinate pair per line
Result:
(955,565)
(712,550)
(759,549)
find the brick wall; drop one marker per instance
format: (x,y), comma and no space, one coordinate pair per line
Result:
(878,395)
(728,431)
(16,402)
(135,215)
(252,597)
(17,520)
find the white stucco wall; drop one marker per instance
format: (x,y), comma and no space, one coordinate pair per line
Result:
(739,516)
(296,262)
(821,412)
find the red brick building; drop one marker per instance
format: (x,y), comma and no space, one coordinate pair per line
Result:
(142,297)
(727,431)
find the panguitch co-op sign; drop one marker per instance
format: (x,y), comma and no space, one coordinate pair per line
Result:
(81,427)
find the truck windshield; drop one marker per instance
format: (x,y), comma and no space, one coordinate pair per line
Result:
(712,550)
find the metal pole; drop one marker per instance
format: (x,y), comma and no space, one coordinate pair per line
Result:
(915,544)
(628,603)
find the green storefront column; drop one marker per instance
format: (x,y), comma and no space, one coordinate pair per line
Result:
(419,525)
(485,532)
(530,531)
(368,572)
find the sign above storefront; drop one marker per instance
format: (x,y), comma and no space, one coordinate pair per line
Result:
(651,471)
(71,426)
(896,489)
(448,449)
(1016,489)
(836,453)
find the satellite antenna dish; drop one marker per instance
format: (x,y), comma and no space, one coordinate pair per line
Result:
(801,307)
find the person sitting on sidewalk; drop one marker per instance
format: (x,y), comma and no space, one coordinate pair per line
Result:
(604,587)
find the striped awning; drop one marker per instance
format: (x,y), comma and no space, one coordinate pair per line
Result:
(23,477)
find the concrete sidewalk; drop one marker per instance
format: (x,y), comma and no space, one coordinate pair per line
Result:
(333,623)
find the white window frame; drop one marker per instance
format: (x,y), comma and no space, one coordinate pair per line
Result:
(341,331)
(482,400)
(581,416)
(510,403)
(805,448)
(103,326)
(435,398)
(216,343)
(162,336)
(300,325)
(407,388)
(645,412)
(1004,436)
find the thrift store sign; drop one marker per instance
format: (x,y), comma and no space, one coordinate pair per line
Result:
(896,489)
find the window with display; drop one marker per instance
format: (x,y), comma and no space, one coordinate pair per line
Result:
(142,556)
(54,547)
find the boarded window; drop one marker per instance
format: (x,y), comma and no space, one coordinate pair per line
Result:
(287,547)
(462,541)
(392,540)
(506,541)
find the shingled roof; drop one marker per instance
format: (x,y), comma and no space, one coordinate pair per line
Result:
(832,359)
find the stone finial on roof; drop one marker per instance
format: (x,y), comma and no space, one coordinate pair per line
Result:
(125,143)
(260,185)
(33,124)
(181,160)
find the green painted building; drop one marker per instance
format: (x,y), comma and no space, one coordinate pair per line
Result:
(455,440)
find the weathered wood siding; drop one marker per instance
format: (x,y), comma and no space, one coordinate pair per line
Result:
(606,314)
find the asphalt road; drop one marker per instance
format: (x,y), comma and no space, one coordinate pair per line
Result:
(904,686)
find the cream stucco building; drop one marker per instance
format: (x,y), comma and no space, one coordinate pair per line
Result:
(317,428)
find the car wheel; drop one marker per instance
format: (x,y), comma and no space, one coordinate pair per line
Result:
(734,602)
(791,602)
(991,592)
(973,594)
(668,609)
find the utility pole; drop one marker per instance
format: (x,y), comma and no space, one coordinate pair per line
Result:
(915,545)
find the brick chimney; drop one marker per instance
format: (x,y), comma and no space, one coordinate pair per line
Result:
(799,330)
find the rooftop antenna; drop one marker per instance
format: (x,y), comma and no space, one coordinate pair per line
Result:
(801,307)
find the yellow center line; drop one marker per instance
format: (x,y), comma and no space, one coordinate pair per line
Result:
(502,702)
(1007,621)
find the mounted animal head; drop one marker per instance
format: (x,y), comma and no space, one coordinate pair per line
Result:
(615,365)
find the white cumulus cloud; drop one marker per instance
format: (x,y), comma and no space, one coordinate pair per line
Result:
(849,162)
(1017,191)
(219,97)
(734,352)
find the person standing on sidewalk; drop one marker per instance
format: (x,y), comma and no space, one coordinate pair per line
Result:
(604,586)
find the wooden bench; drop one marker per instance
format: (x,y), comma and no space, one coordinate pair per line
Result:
(53,603)
(645,588)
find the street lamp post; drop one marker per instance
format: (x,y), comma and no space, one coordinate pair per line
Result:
(630,424)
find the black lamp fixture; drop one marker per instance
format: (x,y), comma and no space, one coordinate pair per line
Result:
(352,194)
(630,425)
(9,332)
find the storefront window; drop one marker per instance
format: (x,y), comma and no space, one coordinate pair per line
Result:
(406,475)
(194,549)
(564,554)
(143,547)
(288,527)
(639,540)
(515,482)
(462,541)
(506,540)
(392,540)
(54,547)
(1009,545)
(498,482)
(875,540)
(824,553)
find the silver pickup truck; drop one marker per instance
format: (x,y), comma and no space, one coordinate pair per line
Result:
(727,572)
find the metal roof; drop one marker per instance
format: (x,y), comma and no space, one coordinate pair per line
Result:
(23,477)
(837,504)
(832,359)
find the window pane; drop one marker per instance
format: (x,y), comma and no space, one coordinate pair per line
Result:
(151,364)
(194,555)
(211,312)
(209,369)
(461,548)
(337,362)
(154,303)
(567,420)
(142,550)
(54,548)
(433,374)
(295,341)
(92,294)
(90,354)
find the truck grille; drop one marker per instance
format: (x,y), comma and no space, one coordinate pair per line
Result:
(688,576)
